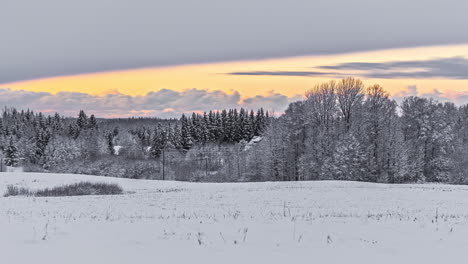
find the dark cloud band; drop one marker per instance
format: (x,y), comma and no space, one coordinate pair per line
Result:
(449,68)
(281,73)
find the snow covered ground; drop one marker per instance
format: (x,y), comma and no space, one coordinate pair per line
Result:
(175,222)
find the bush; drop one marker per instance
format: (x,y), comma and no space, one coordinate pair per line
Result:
(76,189)
(15,191)
(82,188)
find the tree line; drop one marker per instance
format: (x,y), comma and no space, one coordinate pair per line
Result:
(88,145)
(346,131)
(341,130)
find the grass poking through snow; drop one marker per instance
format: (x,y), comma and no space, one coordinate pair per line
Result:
(17,191)
(76,189)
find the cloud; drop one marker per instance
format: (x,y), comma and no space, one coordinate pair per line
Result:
(457,97)
(273,101)
(411,90)
(164,103)
(55,37)
(281,73)
(450,68)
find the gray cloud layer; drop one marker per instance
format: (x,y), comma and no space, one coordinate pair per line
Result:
(450,68)
(164,103)
(281,73)
(56,37)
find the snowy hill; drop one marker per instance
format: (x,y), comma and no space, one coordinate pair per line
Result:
(286,222)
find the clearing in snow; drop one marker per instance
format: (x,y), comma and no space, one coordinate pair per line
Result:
(272,222)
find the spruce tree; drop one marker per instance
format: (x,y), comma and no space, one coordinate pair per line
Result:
(82,120)
(219,131)
(92,123)
(224,135)
(176,137)
(42,139)
(110,142)
(252,124)
(186,140)
(158,143)
(212,127)
(11,154)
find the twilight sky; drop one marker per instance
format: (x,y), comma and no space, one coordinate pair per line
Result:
(124,58)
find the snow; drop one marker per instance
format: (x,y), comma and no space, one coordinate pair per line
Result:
(117,149)
(176,222)
(14,169)
(255,140)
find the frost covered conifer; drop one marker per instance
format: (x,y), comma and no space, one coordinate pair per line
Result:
(92,122)
(11,154)
(186,140)
(82,120)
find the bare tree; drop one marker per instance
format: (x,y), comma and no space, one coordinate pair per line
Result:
(350,94)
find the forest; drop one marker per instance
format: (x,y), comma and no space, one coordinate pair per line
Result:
(341,130)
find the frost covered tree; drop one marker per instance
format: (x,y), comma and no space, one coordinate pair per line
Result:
(348,162)
(110,142)
(340,130)
(11,154)
(60,151)
(158,142)
(82,120)
(321,129)
(349,92)
(379,131)
(92,122)
(186,140)
(429,134)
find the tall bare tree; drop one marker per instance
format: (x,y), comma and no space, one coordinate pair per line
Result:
(350,94)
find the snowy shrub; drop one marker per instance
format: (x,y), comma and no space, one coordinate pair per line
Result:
(15,191)
(75,189)
(81,188)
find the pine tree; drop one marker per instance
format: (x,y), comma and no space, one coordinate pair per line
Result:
(57,123)
(42,139)
(204,132)
(40,120)
(186,140)
(158,143)
(194,126)
(11,154)
(211,127)
(236,127)
(259,122)
(110,142)
(175,137)
(244,130)
(73,131)
(224,137)
(92,123)
(230,127)
(251,125)
(82,120)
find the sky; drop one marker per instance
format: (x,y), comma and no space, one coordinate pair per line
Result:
(118,58)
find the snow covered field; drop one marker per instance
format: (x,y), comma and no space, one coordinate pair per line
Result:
(175,222)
